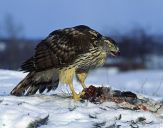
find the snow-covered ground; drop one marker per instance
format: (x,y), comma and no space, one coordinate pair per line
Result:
(63,112)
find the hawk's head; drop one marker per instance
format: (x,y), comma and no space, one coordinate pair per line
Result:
(110,46)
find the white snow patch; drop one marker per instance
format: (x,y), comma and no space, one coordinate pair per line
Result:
(18,112)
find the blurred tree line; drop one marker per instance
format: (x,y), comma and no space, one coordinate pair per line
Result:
(14,49)
(137,48)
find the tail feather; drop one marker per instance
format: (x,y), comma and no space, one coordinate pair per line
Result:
(21,88)
(28,86)
(42,88)
(53,86)
(32,90)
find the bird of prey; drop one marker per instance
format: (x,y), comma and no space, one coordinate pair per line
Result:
(62,55)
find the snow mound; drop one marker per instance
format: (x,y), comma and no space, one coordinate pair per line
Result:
(62,112)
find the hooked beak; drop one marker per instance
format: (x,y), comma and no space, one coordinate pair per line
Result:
(115,53)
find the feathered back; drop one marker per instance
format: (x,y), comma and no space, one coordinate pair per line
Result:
(61,48)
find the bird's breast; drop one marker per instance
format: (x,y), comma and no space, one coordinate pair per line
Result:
(92,59)
(100,60)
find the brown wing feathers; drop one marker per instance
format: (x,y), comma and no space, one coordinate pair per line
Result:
(60,49)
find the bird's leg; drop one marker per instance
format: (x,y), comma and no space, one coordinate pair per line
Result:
(81,76)
(74,94)
(69,73)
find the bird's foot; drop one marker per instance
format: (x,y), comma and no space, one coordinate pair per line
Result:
(81,93)
(76,96)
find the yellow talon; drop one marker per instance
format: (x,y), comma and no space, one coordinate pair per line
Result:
(82,93)
(76,96)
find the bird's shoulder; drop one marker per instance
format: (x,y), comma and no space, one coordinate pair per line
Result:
(80,35)
(62,47)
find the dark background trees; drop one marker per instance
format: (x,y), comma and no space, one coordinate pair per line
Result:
(137,47)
